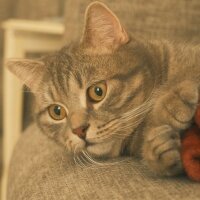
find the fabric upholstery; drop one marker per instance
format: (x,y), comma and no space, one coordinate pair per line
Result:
(173,20)
(37,9)
(42,170)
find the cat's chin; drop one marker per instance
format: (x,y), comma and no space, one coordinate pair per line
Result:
(104,149)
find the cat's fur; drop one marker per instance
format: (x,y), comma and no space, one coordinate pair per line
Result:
(153,91)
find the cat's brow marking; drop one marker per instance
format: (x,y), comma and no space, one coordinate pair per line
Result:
(129,74)
(79,80)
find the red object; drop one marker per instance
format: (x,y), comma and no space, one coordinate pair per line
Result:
(190,152)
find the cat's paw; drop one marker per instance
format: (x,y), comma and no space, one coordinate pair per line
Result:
(161,151)
(177,106)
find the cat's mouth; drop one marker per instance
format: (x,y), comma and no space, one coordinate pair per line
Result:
(88,143)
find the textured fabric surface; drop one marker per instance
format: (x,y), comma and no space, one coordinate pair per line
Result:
(37,9)
(42,170)
(169,19)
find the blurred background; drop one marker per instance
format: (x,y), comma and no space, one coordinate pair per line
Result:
(174,20)
(28,10)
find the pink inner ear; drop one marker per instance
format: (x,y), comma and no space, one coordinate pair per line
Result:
(103,29)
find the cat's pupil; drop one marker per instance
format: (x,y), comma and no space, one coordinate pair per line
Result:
(57,110)
(98,91)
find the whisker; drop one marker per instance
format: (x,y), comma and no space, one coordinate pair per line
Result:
(133,120)
(90,159)
(105,129)
(144,106)
(77,159)
(133,124)
(121,129)
(106,135)
(102,164)
(81,160)
(85,159)
(107,123)
(142,112)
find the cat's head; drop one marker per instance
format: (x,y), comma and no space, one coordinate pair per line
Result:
(94,94)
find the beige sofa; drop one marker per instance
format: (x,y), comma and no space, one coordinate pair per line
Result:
(42,170)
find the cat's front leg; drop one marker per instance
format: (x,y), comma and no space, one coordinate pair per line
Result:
(172,113)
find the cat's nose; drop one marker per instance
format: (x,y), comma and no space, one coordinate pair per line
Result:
(81,131)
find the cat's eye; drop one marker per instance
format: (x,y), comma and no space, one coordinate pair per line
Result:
(97,92)
(57,112)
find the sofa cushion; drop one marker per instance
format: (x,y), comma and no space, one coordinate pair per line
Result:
(153,19)
(43,170)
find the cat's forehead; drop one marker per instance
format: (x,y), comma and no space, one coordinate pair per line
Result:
(82,67)
(76,69)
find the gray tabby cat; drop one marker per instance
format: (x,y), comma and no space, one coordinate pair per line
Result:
(108,95)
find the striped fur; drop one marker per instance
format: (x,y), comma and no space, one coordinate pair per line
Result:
(152,93)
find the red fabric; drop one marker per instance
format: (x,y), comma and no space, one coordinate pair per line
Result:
(191,153)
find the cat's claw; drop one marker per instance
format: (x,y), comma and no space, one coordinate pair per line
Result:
(162,151)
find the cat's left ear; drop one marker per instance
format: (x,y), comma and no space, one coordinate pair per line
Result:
(30,72)
(103,32)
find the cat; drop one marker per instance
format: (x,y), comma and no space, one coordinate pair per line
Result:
(111,94)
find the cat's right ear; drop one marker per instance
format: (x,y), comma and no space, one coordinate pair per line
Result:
(103,32)
(30,72)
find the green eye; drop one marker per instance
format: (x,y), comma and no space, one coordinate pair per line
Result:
(57,112)
(97,92)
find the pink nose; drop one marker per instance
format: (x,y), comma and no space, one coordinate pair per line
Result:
(81,131)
